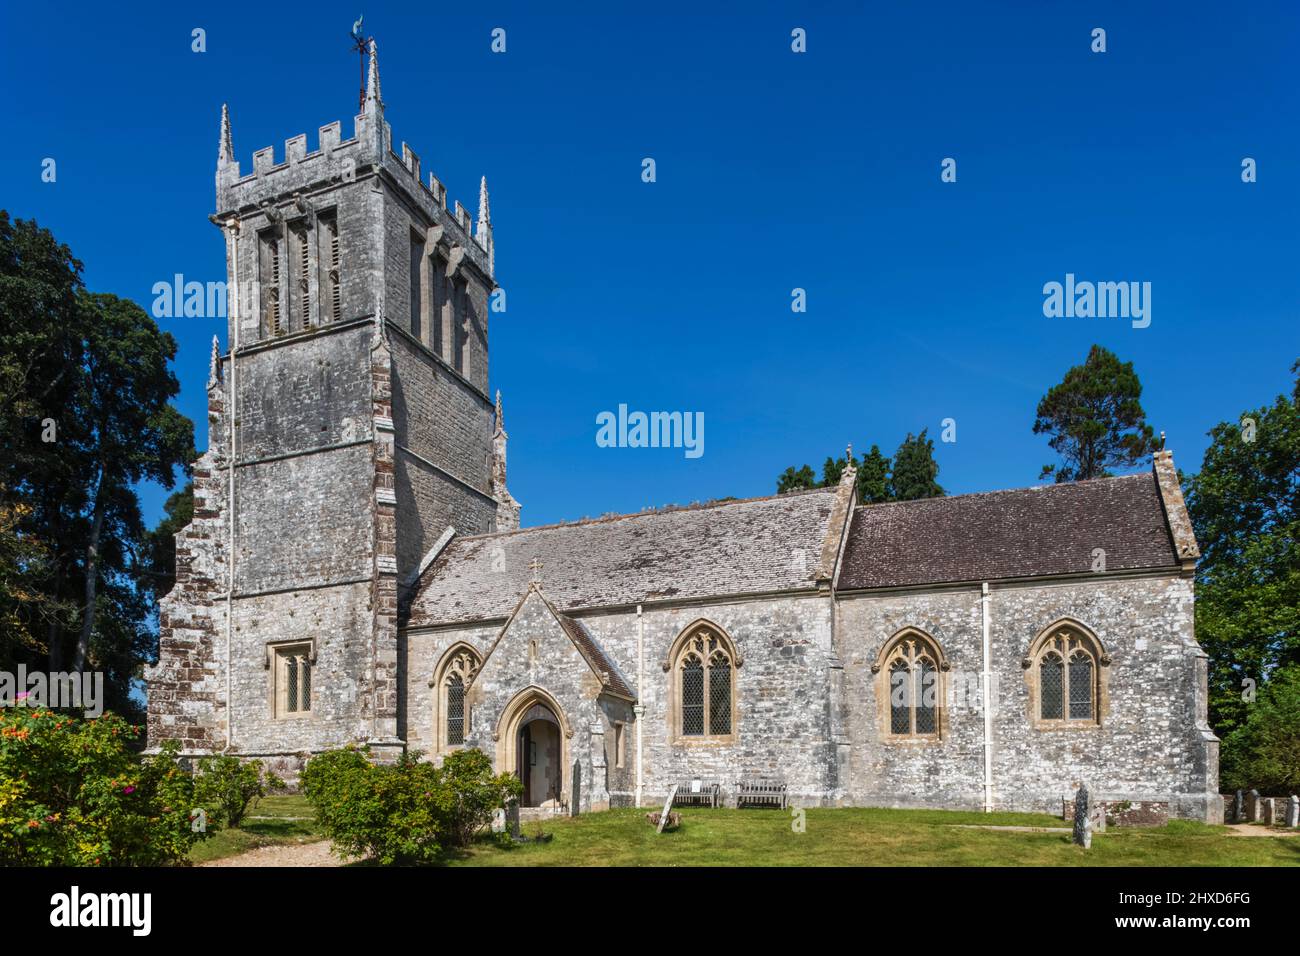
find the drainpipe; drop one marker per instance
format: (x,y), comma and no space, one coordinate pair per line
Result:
(987,688)
(232,306)
(639,709)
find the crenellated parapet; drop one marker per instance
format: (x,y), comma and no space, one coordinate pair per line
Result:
(300,173)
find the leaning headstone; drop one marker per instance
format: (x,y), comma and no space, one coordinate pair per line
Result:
(1252,806)
(668,806)
(1083,818)
(1293,811)
(1269,813)
(1238,808)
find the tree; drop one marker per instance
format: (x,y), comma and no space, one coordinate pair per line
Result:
(1264,751)
(793,479)
(85,415)
(1245,508)
(915,470)
(1095,419)
(130,430)
(873,477)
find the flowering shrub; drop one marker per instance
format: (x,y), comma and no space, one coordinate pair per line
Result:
(407,812)
(227,786)
(73,794)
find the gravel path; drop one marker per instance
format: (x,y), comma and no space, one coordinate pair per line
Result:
(300,854)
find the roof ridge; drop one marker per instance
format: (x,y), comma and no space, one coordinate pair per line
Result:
(667,509)
(1007,491)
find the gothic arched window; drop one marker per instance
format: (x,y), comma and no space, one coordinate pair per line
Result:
(909,669)
(704,683)
(455,674)
(1064,667)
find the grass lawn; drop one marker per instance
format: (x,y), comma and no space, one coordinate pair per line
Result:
(273,820)
(841,837)
(863,837)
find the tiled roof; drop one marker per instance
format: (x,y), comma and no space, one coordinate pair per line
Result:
(757,545)
(1029,532)
(600,662)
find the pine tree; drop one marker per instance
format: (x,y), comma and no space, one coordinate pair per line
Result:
(915,470)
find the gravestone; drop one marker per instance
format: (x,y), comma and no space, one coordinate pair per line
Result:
(512,819)
(1083,818)
(499,820)
(1293,811)
(1252,806)
(668,805)
(1238,808)
(1269,814)
(576,803)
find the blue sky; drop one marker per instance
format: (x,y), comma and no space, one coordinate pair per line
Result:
(775,171)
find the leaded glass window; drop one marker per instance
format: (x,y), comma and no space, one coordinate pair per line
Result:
(704,673)
(293,680)
(455,711)
(1050,675)
(456,674)
(1068,689)
(912,673)
(1080,686)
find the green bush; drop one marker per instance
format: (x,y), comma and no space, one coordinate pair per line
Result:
(407,812)
(72,793)
(470,793)
(1264,751)
(227,786)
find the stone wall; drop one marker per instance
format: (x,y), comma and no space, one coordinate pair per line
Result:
(1151,744)
(783,713)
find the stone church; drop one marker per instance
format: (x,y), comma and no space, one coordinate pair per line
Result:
(356,571)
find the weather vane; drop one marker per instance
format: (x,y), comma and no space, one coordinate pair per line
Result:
(361,42)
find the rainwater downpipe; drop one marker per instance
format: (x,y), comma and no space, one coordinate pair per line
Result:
(987,700)
(639,709)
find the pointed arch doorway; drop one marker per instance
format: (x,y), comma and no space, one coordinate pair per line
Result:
(538,759)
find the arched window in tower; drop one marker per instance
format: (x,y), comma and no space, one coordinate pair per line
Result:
(910,685)
(702,668)
(454,675)
(1065,677)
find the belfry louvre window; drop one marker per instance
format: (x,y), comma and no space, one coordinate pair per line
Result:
(1064,665)
(269,270)
(293,680)
(911,668)
(703,670)
(454,675)
(327,254)
(302,284)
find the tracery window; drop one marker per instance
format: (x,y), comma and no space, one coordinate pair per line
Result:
(703,669)
(1065,665)
(455,674)
(911,666)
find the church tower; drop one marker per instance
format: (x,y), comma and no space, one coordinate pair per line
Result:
(350,427)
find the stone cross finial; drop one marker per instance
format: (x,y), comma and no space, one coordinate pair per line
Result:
(536,567)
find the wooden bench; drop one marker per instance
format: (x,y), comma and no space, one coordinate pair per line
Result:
(761,792)
(698,793)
